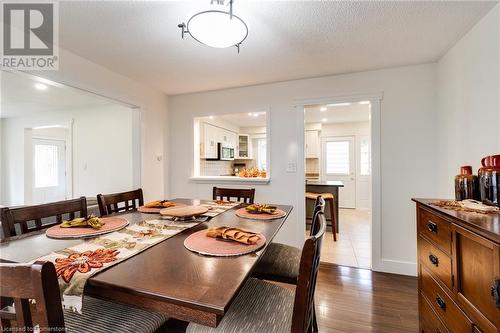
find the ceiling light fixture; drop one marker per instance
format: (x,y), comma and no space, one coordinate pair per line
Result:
(324,120)
(216,28)
(210,117)
(323,109)
(40,86)
(364,102)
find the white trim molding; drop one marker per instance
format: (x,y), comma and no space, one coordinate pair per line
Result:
(379,263)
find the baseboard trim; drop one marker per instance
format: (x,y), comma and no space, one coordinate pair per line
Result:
(396,267)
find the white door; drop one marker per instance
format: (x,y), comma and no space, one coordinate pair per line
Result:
(49,170)
(339,163)
(363,173)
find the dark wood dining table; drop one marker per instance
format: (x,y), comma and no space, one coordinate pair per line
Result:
(166,277)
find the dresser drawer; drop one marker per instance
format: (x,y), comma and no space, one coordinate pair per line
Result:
(429,321)
(443,305)
(435,228)
(435,261)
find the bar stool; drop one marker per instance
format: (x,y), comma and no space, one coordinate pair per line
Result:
(329,199)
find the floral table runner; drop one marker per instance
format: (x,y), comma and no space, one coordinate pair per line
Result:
(217,207)
(76,264)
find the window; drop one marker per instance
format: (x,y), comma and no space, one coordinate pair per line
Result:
(46,165)
(364,158)
(337,157)
(261,154)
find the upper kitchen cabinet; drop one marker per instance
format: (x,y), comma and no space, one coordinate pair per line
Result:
(211,135)
(208,141)
(312,144)
(244,149)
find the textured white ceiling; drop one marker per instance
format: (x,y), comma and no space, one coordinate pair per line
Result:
(287,39)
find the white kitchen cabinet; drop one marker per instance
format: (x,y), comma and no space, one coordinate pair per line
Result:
(211,135)
(244,149)
(312,145)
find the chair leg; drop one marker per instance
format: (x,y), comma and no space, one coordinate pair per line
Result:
(314,321)
(334,219)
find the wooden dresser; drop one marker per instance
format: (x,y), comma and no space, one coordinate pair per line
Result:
(458,270)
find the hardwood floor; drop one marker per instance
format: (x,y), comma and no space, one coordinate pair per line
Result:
(358,300)
(353,300)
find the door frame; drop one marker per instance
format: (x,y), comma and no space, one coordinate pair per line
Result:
(375,99)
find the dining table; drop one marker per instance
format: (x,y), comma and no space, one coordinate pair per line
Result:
(166,277)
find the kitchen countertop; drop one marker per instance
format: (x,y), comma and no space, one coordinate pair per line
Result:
(336,183)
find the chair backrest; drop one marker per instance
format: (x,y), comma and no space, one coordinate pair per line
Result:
(23,282)
(303,306)
(319,206)
(32,218)
(119,202)
(245,195)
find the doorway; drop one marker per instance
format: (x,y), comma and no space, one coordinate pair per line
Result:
(344,155)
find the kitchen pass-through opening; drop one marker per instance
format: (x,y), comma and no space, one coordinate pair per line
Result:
(337,143)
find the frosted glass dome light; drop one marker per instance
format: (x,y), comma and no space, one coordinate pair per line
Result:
(216,28)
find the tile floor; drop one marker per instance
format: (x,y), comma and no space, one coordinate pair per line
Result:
(353,245)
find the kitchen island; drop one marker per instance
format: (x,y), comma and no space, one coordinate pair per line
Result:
(323,186)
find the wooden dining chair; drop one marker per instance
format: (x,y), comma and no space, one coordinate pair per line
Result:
(245,195)
(21,220)
(120,202)
(266,307)
(24,282)
(281,262)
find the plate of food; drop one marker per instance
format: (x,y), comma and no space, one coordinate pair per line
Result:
(225,241)
(89,226)
(260,212)
(154,207)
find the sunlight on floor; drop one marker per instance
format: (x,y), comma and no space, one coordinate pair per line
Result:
(353,245)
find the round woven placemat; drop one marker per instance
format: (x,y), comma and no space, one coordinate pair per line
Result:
(199,242)
(111,224)
(148,210)
(242,212)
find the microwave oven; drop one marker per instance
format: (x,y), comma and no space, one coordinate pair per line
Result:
(225,152)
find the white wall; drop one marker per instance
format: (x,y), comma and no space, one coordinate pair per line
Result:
(82,73)
(101,148)
(468,104)
(407,140)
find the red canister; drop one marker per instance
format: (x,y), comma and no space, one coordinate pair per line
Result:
(466,184)
(489,180)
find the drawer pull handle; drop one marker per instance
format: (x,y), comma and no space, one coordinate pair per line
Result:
(434,260)
(441,303)
(432,227)
(495,292)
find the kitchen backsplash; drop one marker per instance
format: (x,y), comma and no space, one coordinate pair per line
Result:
(216,168)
